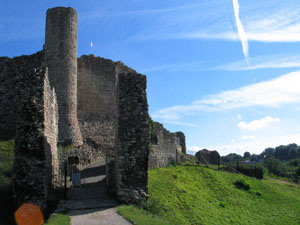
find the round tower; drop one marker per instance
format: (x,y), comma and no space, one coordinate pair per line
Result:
(61,59)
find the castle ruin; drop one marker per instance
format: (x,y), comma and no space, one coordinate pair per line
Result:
(52,98)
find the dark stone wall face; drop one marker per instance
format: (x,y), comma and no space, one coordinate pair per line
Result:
(206,157)
(181,137)
(133,138)
(165,147)
(61,60)
(11,70)
(98,110)
(35,161)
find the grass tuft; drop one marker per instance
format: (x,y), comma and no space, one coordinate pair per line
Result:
(242,184)
(58,219)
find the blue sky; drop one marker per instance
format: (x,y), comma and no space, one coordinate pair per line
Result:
(225,72)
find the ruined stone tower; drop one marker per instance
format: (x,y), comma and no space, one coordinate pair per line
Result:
(40,98)
(61,59)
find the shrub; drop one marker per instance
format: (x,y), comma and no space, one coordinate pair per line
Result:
(242,184)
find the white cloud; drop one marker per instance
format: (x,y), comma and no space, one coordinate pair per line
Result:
(191,66)
(273,93)
(258,145)
(180,123)
(263,21)
(263,62)
(241,32)
(193,149)
(245,137)
(257,124)
(239,116)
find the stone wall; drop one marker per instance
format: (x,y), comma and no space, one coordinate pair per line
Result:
(61,59)
(35,164)
(98,109)
(10,79)
(133,138)
(165,147)
(181,137)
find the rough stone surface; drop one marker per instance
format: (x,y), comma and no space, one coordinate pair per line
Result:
(165,147)
(206,157)
(98,108)
(11,70)
(181,137)
(133,138)
(61,60)
(35,165)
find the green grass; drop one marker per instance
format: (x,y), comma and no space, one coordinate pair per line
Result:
(140,216)
(58,219)
(6,161)
(199,195)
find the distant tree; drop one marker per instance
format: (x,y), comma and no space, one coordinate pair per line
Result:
(268,151)
(298,172)
(246,155)
(254,157)
(281,152)
(231,157)
(272,164)
(298,150)
(295,162)
(293,153)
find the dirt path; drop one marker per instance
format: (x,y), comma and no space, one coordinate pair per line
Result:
(91,204)
(97,217)
(285,182)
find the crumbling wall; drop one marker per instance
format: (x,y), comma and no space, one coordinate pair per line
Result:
(165,147)
(10,79)
(35,161)
(181,137)
(133,138)
(98,110)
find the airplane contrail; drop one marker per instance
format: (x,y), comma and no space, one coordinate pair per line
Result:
(240,28)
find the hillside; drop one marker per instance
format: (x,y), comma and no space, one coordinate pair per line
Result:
(198,195)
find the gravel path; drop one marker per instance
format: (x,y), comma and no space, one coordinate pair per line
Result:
(91,204)
(97,217)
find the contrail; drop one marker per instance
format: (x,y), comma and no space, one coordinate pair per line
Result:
(240,28)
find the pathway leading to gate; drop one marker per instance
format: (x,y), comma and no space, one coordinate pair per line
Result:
(91,203)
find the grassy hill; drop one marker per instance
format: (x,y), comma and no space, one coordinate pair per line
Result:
(199,195)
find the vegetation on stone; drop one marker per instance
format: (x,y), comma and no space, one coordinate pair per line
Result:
(200,195)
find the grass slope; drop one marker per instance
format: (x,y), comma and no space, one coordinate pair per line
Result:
(198,195)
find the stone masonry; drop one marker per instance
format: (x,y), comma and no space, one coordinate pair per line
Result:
(35,162)
(93,104)
(61,60)
(165,147)
(133,137)
(10,79)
